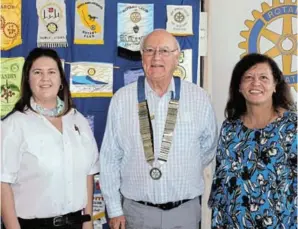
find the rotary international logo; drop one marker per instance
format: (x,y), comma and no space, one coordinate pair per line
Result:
(11,30)
(273,32)
(180,72)
(14,67)
(135,17)
(52,27)
(91,71)
(179,17)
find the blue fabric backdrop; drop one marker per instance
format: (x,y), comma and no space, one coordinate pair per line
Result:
(102,53)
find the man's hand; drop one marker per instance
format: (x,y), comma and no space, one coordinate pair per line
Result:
(117,222)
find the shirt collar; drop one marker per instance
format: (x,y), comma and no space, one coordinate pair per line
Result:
(149,90)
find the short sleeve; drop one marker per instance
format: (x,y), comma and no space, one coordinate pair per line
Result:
(95,164)
(93,146)
(11,148)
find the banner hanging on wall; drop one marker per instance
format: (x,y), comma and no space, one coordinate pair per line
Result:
(89,22)
(10,23)
(98,217)
(184,68)
(179,21)
(89,79)
(51,23)
(134,22)
(11,75)
(132,75)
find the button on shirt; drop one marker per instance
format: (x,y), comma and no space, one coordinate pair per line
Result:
(47,169)
(122,161)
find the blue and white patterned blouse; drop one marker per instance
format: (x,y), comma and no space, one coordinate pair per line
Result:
(255,183)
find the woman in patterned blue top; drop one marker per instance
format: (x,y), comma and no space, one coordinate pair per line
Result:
(255,183)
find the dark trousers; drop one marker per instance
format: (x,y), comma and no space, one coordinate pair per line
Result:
(73,220)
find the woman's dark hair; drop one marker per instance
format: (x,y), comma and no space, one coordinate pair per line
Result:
(26,92)
(236,105)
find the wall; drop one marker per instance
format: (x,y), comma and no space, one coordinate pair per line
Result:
(226,20)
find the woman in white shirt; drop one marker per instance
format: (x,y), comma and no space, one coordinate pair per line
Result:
(48,152)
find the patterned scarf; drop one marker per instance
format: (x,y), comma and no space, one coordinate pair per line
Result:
(54,112)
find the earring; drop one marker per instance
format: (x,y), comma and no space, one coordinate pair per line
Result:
(61,87)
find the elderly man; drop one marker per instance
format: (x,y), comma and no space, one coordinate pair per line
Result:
(160,134)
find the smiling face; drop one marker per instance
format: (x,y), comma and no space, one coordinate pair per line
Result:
(44,80)
(160,65)
(257,85)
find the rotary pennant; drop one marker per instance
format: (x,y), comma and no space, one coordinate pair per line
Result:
(89,79)
(134,22)
(184,68)
(11,75)
(179,20)
(51,23)
(10,23)
(89,22)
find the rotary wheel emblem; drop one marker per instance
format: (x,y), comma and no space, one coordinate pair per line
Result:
(14,67)
(93,27)
(279,42)
(52,27)
(11,30)
(179,17)
(155,173)
(91,71)
(135,17)
(180,72)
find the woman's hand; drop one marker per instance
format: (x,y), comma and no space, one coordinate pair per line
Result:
(88,225)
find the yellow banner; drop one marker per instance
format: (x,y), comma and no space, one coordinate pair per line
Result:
(10,22)
(89,22)
(11,75)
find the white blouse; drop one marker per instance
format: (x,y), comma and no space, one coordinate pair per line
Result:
(47,169)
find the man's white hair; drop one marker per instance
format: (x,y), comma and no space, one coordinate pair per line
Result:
(145,37)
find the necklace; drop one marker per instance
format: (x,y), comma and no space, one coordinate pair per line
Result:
(54,112)
(146,127)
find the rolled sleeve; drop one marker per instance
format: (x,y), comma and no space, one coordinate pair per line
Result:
(11,149)
(8,178)
(95,165)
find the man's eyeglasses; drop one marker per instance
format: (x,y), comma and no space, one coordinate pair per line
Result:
(161,51)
